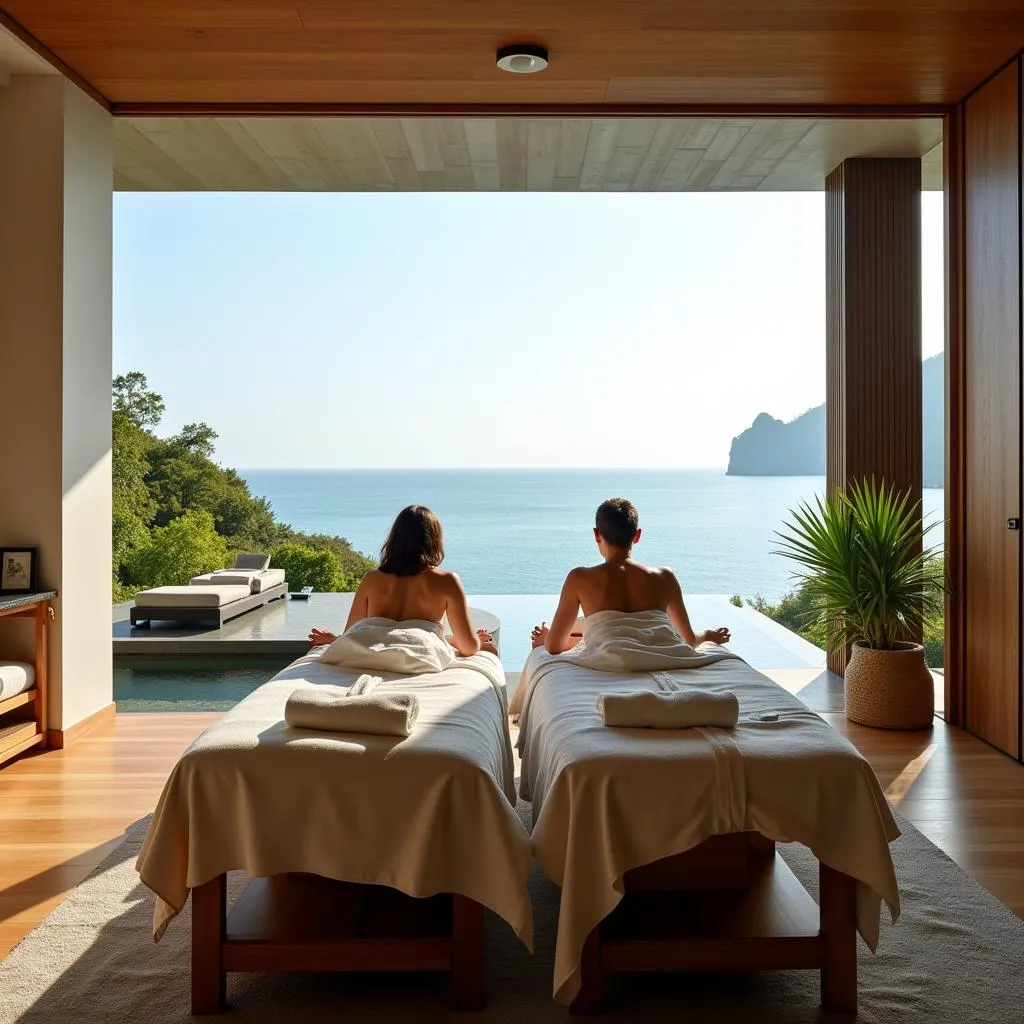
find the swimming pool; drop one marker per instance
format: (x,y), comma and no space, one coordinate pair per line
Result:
(179,683)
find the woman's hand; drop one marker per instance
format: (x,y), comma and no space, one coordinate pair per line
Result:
(721,635)
(539,635)
(320,637)
(486,641)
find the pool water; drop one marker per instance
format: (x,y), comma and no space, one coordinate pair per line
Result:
(175,683)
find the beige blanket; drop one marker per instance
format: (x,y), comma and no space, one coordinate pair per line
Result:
(427,814)
(607,800)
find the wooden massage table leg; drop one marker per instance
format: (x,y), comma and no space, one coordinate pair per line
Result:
(209,928)
(467,954)
(838,903)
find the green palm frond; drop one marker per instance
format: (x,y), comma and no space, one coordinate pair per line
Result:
(861,559)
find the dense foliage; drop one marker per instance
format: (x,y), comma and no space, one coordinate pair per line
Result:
(177,513)
(796,611)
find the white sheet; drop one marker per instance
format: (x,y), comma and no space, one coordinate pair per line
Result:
(411,647)
(427,814)
(607,800)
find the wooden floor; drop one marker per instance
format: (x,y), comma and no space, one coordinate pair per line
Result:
(62,811)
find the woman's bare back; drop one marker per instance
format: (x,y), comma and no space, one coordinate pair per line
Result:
(423,596)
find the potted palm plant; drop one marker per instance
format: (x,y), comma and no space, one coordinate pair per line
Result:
(864,565)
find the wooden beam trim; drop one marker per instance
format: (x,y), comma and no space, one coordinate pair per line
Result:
(22,33)
(561,110)
(1019,55)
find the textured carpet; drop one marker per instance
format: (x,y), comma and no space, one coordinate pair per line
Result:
(956,955)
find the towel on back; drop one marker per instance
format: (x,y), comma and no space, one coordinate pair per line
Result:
(352,709)
(638,642)
(411,647)
(683,709)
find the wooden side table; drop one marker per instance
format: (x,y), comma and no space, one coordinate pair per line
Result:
(23,715)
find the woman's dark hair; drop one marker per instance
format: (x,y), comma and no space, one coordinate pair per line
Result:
(415,543)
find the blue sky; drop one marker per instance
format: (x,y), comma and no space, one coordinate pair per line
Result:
(509,329)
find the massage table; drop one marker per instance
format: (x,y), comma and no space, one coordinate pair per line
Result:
(364,852)
(663,841)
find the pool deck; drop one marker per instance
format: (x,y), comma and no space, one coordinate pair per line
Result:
(282,627)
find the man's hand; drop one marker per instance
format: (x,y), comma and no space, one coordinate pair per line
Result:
(539,635)
(721,635)
(320,637)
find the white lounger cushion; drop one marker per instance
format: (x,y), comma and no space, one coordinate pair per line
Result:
(191,597)
(257,580)
(16,677)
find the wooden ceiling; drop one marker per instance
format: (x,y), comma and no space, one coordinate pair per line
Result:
(754,53)
(505,154)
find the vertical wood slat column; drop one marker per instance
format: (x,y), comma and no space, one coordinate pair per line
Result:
(955,398)
(873,329)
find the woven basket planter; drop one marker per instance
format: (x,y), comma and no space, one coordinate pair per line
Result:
(889,689)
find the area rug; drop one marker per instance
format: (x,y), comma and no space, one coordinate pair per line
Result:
(956,955)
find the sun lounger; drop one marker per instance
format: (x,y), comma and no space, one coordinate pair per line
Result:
(645,812)
(214,604)
(365,852)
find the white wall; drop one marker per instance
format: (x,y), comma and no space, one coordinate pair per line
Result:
(55,367)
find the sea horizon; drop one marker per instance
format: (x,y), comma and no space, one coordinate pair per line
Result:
(527,527)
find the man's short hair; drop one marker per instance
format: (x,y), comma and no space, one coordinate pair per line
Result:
(617,521)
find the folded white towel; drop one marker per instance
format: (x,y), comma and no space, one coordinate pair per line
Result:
(337,709)
(681,710)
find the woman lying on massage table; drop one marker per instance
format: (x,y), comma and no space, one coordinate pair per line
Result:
(409,585)
(618,584)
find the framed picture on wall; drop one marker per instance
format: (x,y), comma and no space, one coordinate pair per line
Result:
(18,570)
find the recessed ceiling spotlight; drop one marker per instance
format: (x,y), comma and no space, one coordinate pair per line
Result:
(522,58)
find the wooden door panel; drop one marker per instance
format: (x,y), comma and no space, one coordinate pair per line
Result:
(993,371)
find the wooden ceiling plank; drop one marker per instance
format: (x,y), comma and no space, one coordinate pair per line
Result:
(542,143)
(600,147)
(272,176)
(482,139)
(676,175)
(293,153)
(147,162)
(573,133)
(352,146)
(666,135)
(424,144)
(512,154)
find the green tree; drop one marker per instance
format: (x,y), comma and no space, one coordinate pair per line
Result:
(132,396)
(307,567)
(188,546)
(131,502)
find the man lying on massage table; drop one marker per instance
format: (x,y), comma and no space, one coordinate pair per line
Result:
(653,764)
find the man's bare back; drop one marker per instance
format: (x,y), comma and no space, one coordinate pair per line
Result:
(619,584)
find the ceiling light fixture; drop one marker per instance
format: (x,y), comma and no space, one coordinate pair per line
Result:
(522,58)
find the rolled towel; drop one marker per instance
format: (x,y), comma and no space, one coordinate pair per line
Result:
(335,709)
(681,710)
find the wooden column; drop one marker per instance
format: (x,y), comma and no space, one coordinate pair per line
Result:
(873,340)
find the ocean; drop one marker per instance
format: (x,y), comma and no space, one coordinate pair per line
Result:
(519,531)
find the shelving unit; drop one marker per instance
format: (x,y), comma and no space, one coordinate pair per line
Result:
(23,716)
